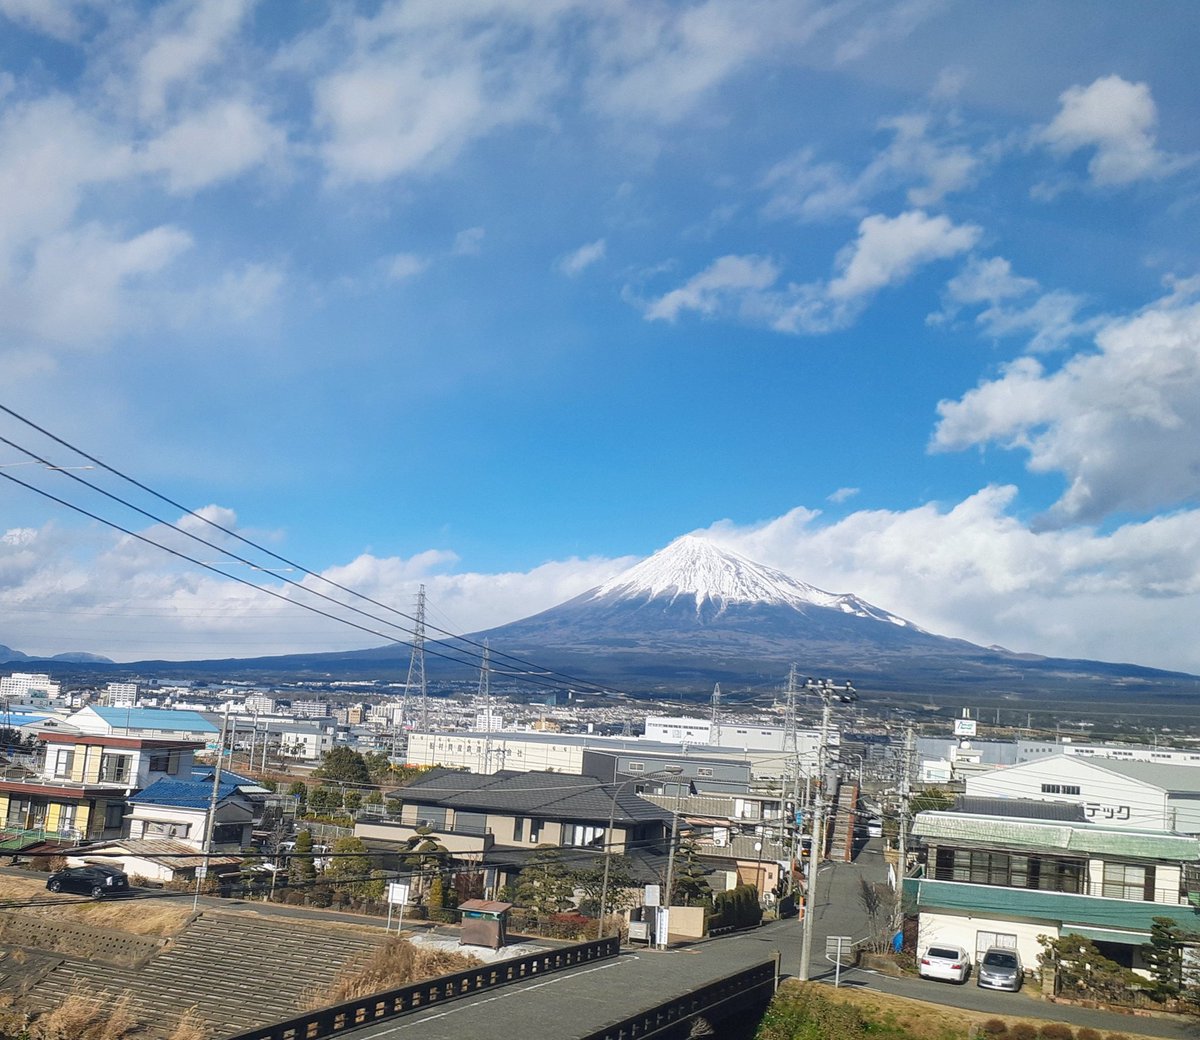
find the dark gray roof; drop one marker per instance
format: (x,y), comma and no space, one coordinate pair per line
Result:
(560,796)
(1020,808)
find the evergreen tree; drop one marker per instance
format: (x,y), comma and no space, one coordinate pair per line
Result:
(546,884)
(350,865)
(1164,956)
(621,886)
(345,765)
(302,868)
(690,886)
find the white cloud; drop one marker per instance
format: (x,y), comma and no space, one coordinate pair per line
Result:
(176,57)
(80,283)
(224,141)
(976,572)
(1117,119)
(726,279)
(1120,423)
(892,23)
(889,249)
(843,494)
(57,18)
(929,169)
(579,260)
(404,266)
(468,242)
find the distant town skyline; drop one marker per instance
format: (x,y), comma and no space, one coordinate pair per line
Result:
(899,297)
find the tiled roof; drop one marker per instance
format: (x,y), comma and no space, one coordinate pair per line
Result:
(183,794)
(1081,838)
(1023,808)
(562,796)
(166,852)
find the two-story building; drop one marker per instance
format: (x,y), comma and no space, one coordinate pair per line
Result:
(80,792)
(496,821)
(1001,872)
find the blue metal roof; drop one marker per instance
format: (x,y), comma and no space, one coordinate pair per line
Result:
(183,794)
(155,718)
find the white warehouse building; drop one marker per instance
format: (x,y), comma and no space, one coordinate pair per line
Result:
(1134,795)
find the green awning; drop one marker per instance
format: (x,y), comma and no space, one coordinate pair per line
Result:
(1105,934)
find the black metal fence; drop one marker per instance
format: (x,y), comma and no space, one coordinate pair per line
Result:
(750,988)
(378,1007)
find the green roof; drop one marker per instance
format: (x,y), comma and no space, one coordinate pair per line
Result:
(1082,839)
(1063,910)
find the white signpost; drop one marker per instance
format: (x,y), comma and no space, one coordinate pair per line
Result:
(835,946)
(397,892)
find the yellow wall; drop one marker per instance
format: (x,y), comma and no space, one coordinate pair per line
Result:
(3,806)
(77,763)
(92,772)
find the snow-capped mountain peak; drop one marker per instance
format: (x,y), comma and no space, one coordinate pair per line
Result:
(692,567)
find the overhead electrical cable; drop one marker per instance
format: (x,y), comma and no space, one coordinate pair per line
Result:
(574,680)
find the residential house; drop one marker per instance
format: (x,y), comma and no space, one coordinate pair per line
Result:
(1003,871)
(177,809)
(81,789)
(157,859)
(497,821)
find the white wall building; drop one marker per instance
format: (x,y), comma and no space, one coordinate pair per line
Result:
(1034,750)
(121,695)
(1136,795)
(29,688)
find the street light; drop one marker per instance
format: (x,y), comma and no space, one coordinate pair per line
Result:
(608,843)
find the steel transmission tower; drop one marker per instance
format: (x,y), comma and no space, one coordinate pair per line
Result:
(416,663)
(714,732)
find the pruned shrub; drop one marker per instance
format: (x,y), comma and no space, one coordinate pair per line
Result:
(995,1027)
(1088,1033)
(1057,1031)
(1022,1031)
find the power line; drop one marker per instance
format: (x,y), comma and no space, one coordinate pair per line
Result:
(246,541)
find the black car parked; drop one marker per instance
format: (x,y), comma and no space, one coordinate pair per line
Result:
(93,881)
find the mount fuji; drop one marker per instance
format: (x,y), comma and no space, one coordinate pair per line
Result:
(693,614)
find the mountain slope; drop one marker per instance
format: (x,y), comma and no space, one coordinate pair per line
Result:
(693,613)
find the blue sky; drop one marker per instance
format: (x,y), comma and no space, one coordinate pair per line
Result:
(899,297)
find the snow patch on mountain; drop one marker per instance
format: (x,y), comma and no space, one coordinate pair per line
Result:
(694,568)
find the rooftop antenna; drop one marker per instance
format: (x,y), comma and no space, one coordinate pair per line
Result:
(714,733)
(485,693)
(416,663)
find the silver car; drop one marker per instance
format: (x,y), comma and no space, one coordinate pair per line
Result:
(1000,968)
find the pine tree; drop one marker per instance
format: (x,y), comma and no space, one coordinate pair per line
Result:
(302,868)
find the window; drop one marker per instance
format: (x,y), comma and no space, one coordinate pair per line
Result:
(636,767)
(982,867)
(1129,881)
(114,814)
(18,811)
(519,829)
(1060,789)
(583,835)
(535,831)
(114,769)
(165,829)
(66,817)
(165,762)
(64,759)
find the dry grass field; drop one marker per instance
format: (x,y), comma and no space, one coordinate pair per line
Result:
(149,917)
(925,1021)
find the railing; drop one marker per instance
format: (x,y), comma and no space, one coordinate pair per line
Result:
(13,838)
(716,1000)
(378,1007)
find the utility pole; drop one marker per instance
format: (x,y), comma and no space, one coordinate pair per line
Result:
(828,692)
(902,845)
(485,694)
(211,816)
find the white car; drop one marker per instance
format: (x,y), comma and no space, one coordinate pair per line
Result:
(948,963)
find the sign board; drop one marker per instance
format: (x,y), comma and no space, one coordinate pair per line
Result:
(662,925)
(202,872)
(964,727)
(397,892)
(639,930)
(651,897)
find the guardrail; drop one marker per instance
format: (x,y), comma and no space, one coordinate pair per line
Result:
(718,999)
(378,1007)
